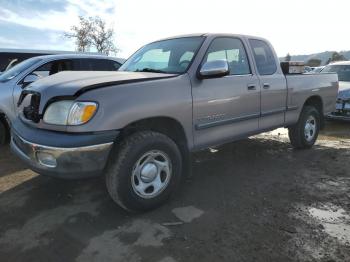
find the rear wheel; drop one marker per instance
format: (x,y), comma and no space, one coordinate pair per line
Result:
(304,133)
(143,171)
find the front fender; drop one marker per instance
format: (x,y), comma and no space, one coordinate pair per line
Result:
(124,104)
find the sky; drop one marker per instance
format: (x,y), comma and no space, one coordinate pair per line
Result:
(294,26)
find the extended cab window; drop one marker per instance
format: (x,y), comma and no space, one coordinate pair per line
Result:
(231,50)
(264,58)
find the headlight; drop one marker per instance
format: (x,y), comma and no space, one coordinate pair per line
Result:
(344,94)
(69,113)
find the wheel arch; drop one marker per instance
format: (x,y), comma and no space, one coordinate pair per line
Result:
(165,125)
(317,102)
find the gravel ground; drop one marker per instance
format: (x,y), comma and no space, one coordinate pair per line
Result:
(253,200)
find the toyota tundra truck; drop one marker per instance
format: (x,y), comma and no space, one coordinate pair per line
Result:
(138,127)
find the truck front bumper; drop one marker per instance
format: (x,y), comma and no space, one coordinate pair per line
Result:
(76,161)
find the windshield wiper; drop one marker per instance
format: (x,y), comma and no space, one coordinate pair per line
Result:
(151,70)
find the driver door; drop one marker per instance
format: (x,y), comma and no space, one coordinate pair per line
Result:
(226,107)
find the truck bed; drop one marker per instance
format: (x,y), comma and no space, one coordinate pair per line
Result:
(302,86)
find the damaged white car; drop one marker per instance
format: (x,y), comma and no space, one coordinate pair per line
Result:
(342,107)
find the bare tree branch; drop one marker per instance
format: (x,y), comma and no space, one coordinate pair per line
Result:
(93,32)
(81,34)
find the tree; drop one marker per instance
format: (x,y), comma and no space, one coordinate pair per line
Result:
(93,32)
(314,62)
(336,57)
(81,34)
(288,58)
(102,37)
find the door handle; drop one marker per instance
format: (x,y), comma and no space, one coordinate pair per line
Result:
(266,85)
(252,87)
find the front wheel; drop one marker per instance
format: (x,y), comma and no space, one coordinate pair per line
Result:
(305,132)
(143,171)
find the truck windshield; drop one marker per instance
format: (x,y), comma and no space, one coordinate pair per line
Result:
(17,69)
(172,56)
(343,71)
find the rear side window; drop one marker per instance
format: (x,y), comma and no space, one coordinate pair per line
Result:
(99,65)
(264,58)
(231,50)
(54,67)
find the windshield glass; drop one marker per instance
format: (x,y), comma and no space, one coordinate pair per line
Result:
(168,56)
(17,69)
(343,71)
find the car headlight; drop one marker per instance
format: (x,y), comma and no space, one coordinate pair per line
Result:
(344,94)
(70,113)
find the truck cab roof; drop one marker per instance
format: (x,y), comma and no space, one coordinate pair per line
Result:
(212,35)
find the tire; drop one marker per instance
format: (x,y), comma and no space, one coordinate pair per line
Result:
(3,134)
(304,133)
(134,163)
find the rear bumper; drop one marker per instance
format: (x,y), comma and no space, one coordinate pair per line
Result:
(78,161)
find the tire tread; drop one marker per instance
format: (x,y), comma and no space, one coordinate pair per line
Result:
(120,153)
(295,132)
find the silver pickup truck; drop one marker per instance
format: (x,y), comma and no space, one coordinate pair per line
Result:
(139,126)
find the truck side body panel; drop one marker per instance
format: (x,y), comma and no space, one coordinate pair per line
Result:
(227,107)
(224,108)
(302,87)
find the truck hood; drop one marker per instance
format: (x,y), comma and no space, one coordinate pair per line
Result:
(73,83)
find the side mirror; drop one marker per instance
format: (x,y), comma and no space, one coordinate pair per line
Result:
(216,68)
(30,79)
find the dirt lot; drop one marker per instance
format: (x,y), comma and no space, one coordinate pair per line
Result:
(253,200)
